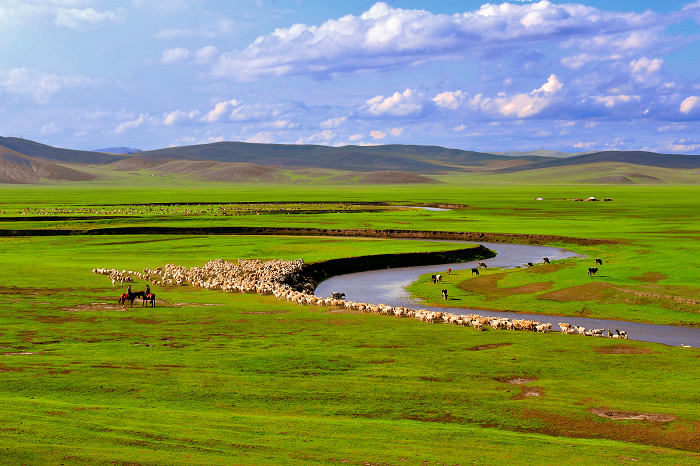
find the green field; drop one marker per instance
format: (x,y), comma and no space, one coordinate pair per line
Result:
(214,378)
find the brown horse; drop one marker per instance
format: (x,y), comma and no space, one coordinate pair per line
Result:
(151,298)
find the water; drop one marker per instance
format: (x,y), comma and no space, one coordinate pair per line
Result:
(388,286)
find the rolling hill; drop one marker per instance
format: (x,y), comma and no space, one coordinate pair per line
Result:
(27,161)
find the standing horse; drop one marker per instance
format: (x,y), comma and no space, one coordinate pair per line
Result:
(151,298)
(131,295)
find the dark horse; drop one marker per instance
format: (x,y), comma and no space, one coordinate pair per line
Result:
(131,295)
(151,298)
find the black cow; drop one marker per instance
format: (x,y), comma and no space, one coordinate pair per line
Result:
(475,271)
(592,271)
(599,261)
(444,294)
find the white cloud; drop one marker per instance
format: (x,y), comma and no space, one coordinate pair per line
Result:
(176,116)
(135,123)
(40,86)
(396,131)
(690,104)
(205,55)
(263,137)
(220,110)
(646,65)
(50,128)
(79,17)
(376,134)
(398,104)
(175,55)
(611,101)
(355,137)
(385,38)
(459,128)
(450,100)
(527,105)
(333,122)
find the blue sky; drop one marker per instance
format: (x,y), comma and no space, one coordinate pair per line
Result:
(570,76)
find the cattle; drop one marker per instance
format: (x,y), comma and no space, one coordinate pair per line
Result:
(475,271)
(444,294)
(545,260)
(599,261)
(482,264)
(530,264)
(592,271)
(338,295)
(438,278)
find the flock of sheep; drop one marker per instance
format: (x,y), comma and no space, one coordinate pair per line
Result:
(272,278)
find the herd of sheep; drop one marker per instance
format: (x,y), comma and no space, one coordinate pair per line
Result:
(272,278)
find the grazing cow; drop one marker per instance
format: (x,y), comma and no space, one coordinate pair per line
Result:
(338,295)
(599,261)
(545,260)
(475,271)
(592,271)
(433,278)
(438,278)
(444,294)
(482,264)
(530,264)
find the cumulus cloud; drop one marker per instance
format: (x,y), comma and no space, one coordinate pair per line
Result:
(451,100)
(220,110)
(176,116)
(396,131)
(38,85)
(385,38)
(690,105)
(398,104)
(377,134)
(80,17)
(521,105)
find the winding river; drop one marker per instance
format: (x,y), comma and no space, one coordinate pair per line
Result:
(388,286)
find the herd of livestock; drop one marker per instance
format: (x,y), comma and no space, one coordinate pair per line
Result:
(273,278)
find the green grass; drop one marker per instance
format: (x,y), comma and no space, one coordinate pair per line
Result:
(215,378)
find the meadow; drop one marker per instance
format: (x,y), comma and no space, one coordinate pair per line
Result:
(215,378)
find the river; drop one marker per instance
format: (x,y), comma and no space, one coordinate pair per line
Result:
(388,286)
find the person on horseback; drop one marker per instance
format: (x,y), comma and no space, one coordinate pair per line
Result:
(148,290)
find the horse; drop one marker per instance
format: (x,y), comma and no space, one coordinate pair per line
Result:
(475,271)
(131,295)
(592,271)
(444,294)
(122,299)
(599,261)
(482,264)
(151,298)
(545,260)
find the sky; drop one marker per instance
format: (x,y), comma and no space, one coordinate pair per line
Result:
(501,76)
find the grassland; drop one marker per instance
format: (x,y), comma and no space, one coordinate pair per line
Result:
(215,378)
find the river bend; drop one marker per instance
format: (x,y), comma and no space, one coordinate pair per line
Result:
(388,286)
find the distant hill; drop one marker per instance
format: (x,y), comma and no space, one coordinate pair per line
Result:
(650,159)
(118,150)
(35,149)
(418,159)
(394,163)
(17,168)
